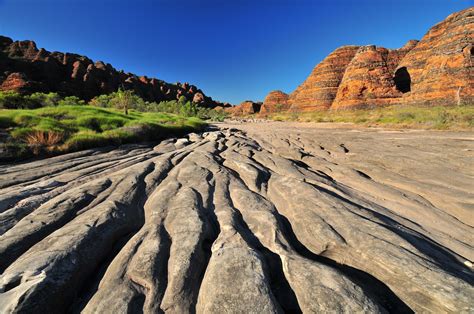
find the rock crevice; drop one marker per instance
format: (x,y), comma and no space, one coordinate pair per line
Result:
(267,222)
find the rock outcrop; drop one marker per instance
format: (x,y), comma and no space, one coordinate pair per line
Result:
(438,70)
(25,68)
(367,80)
(441,66)
(270,219)
(245,108)
(320,88)
(274,102)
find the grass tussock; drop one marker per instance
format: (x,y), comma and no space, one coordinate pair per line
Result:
(68,128)
(440,117)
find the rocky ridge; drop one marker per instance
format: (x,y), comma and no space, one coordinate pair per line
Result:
(26,69)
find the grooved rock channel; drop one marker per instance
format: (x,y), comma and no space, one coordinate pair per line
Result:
(247,218)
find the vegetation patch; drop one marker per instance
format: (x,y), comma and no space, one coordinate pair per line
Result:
(438,117)
(66,128)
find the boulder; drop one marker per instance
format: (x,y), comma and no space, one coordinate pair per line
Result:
(198,98)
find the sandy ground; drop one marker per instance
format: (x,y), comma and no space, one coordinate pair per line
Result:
(250,217)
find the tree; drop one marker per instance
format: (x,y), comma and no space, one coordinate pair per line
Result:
(124,100)
(182,100)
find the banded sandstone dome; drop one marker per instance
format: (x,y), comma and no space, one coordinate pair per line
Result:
(437,70)
(274,100)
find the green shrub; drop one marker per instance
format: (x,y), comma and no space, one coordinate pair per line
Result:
(71,101)
(68,128)
(45,100)
(14,100)
(104,101)
(20,133)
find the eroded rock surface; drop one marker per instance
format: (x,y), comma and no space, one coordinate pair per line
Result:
(251,218)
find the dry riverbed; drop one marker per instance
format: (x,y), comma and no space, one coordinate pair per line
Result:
(252,217)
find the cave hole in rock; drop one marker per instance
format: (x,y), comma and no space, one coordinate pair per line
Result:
(402,80)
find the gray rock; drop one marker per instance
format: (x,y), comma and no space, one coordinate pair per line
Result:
(256,218)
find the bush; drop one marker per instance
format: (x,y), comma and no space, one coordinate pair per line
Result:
(39,140)
(67,128)
(71,101)
(45,100)
(123,100)
(408,116)
(103,101)
(14,100)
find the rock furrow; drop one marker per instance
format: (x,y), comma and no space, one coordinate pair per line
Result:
(241,219)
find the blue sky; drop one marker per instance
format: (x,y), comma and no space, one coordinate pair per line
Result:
(233,50)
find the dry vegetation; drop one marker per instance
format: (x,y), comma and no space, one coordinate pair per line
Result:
(441,118)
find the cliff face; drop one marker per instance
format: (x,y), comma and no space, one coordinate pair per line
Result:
(320,88)
(25,68)
(438,70)
(441,64)
(368,79)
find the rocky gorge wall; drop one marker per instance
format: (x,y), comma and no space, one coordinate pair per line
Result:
(25,68)
(437,70)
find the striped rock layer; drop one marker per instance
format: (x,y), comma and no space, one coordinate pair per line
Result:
(437,70)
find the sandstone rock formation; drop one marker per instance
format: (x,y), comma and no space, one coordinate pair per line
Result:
(367,80)
(320,88)
(245,108)
(275,101)
(438,70)
(25,68)
(441,66)
(266,219)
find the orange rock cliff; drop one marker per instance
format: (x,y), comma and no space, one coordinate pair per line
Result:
(437,70)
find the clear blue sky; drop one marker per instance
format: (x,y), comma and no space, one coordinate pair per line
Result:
(232,49)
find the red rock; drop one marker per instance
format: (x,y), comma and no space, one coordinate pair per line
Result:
(17,82)
(440,67)
(245,108)
(198,98)
(72,74)
(438,70)
(320,88)
(275,101)
(367,81)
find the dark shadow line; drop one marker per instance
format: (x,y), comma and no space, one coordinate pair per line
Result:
(438,254)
